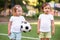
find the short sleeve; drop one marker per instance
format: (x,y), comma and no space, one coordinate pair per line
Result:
(11,18)
(23,19)
(39,17)
(52,17)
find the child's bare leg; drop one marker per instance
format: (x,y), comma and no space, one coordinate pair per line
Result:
(12,39)
(47,39)
(42,39)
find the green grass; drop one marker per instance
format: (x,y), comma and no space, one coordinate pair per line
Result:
(33,33)
(57,33)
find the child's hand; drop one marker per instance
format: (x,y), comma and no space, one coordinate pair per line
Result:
(9,33)
(53,32)
(38,32)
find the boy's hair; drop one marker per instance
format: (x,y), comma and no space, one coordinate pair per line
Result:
(44,5)
(15,8)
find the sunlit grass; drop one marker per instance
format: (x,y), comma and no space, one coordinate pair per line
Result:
(33,33)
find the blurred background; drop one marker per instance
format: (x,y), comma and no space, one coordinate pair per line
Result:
(31,8)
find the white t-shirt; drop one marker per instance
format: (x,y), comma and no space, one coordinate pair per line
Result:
(45,23)
(16,22)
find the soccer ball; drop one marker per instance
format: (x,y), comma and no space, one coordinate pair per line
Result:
(25,27)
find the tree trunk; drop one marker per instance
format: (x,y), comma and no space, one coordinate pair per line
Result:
(5,6)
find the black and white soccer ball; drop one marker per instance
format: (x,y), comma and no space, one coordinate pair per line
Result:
(25,27)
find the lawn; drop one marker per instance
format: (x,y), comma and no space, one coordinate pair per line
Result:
(32,34)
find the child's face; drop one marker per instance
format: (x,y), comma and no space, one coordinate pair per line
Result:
(19,11)
(47,9)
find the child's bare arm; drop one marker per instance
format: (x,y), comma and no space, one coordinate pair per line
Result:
(53,27)
(38,26)
(9,27)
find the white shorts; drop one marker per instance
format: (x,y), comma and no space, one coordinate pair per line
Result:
(15,35)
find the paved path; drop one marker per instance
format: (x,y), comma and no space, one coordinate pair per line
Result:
(56,22)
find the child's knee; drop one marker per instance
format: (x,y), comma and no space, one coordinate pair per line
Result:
(47,39)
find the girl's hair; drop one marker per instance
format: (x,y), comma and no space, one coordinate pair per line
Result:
(14,9)
(44,5)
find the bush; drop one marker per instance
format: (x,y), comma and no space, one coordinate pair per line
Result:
(24,9)
(57,17)
(34,16)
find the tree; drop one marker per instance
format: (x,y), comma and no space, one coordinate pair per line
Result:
(1,5)
(5,6)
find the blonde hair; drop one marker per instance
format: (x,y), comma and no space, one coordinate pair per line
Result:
(15,8)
